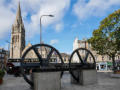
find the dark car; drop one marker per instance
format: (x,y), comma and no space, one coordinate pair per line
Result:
(14,70)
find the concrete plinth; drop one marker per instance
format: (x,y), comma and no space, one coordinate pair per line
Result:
(86,77)
(47,80)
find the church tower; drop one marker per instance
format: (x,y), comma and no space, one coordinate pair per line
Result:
(17,36)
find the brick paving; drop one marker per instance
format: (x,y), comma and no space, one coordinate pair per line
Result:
(105,82)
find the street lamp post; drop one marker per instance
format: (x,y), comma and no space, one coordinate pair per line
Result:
(41,26)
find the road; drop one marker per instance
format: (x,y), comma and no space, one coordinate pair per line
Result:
(105,82)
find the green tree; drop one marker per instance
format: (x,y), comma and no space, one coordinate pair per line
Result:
(106,39)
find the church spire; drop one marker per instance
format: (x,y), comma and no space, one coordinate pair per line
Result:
(17,36)
(18,12)
(18,16)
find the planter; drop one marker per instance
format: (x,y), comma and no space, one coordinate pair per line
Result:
(117,72)
(1,80)
(2,73)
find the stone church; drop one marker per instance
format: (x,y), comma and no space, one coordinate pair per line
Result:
(17,36)
(17,46)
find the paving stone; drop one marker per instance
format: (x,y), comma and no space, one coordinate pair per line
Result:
(105,82)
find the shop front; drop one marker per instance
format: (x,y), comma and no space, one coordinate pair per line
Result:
(109,65)
(104,66)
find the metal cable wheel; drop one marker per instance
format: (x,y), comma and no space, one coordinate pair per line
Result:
(43,62)
(83,61)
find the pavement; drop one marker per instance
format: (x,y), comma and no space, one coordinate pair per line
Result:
(105,82)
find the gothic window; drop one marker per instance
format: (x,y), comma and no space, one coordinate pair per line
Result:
(12,39)
(13,30)
(18,38)
(17,23)
(102,58)
(15,39)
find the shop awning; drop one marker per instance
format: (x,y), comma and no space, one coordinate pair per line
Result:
(109,63)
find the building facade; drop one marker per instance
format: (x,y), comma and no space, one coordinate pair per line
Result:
(65,57)
(3,58)
(103,62)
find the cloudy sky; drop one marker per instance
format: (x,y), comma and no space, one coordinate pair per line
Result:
(72,18)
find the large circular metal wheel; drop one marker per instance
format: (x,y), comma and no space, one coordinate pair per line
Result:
(79,58)
(45,54)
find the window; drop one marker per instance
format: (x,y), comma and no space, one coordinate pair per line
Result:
(95,57)
(109,58)
(90,59)
(89,46)
(12,40)
(102,58)
(103,66)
